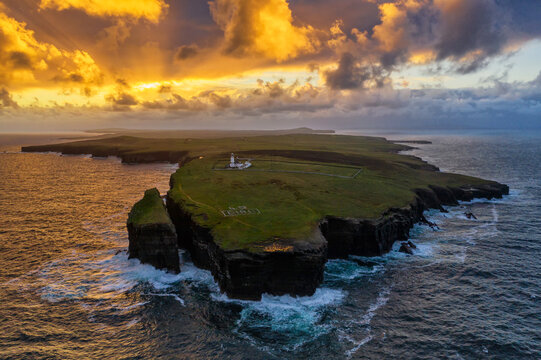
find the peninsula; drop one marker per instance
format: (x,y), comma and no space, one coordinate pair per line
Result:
(270,227)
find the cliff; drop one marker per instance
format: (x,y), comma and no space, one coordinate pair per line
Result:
(349,236)
(284,266)
(295,266)
(152,236)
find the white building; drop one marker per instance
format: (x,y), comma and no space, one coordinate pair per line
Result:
(235,164)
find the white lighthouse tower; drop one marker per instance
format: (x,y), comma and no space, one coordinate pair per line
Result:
(234,164)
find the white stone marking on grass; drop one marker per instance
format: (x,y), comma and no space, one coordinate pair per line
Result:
(239,211)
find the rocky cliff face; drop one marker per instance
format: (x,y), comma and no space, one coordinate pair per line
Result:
(287,267)
(152,235)
(154,244)
(296,267)
(376,237)
(126,156)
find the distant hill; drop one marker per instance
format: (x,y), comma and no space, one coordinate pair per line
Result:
(204,134)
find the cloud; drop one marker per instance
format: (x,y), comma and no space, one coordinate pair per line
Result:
(151,10)
(122,98)
(469,32)
(262,27)
(351,75)
(392,34)
(186,51)
(84,70)
(221,101)
(6,100)
(27,61)
(176,102)
(463,33)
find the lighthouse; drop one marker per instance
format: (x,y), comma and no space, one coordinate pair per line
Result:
(234,164)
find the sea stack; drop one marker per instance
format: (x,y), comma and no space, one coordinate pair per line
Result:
(152,235)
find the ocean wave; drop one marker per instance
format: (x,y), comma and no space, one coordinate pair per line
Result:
(277,323)
(340,269)
(98,277)
(350,332)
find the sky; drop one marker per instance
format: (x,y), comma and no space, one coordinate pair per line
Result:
(268,64)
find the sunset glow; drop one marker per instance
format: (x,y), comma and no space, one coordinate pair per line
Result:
(245,59)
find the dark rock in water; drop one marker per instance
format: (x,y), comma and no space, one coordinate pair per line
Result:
(432,225)
(411,245)
(405,248)
(152,235)
(470,215)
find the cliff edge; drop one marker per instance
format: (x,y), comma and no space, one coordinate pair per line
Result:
(152,236)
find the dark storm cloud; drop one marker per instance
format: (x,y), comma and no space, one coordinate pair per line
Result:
(466,33)
(186,51)
(470,26)
(350,75)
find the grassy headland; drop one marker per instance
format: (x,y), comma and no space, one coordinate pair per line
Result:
(149,210)
(296,180)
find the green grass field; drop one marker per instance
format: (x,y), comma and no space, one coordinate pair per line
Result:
(149,210)
(279,164)
(289,203)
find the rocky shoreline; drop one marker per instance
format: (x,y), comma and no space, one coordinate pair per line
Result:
(294,266)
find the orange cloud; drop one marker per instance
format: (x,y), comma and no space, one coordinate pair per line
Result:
(262,27)
(391,33)
(26,61)
(150,10)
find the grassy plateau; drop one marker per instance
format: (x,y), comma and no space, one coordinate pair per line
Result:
(149,210)
(295,181)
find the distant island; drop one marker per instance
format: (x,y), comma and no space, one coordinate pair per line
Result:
(270,227)
(202,134)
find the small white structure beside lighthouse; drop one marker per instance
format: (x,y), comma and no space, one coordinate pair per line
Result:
(235,164)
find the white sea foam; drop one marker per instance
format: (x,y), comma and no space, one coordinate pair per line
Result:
(174,296)
(81,156)
(44,153)
(104,276)
(298,319)
(269,303)
(351,329)
(340,269)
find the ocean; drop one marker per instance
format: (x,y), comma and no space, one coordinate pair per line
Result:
(472,289)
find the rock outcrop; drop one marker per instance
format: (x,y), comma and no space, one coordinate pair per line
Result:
(152,235)
(405,248)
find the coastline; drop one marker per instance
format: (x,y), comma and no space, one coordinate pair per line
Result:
(291,266)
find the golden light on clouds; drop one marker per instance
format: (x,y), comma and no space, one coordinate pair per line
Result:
(391,32)
(422,57)
(262,27)
(25,61)
(238,56)
(150,10)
